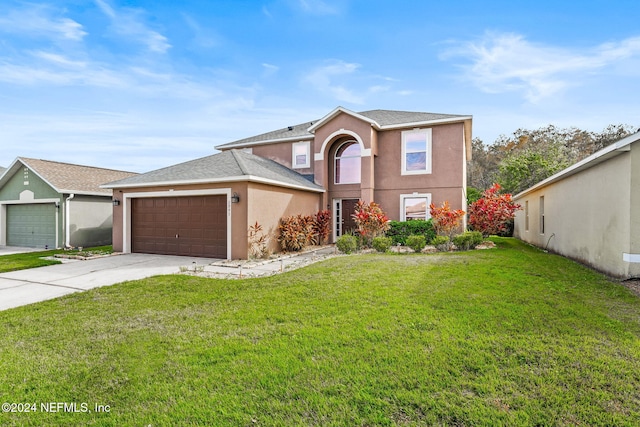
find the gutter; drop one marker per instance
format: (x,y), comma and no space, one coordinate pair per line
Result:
(68,220)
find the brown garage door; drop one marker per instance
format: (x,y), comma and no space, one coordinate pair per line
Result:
(189,226)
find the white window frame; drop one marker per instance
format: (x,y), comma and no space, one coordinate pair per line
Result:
(405,135)
(404,197)
(336,158)
(307,147)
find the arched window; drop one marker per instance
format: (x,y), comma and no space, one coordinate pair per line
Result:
(347,163)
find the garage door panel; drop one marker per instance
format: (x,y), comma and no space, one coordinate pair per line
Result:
(200,222)
(31,225)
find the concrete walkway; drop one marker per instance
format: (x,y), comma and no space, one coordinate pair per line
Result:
(18,288)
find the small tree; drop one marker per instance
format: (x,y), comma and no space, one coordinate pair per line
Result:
(493,212)
(258,241)
(371,221)
(446,221)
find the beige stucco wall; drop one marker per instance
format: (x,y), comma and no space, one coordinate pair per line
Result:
(90,220)
(283,153)
(634,208)
(587,216)
(267,204)
(444,183)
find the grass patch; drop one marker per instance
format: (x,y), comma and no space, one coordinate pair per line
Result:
(37,259)
(510,336)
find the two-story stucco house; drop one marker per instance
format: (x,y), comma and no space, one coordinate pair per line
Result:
(401,160)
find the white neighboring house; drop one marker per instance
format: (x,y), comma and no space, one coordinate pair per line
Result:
(590,211)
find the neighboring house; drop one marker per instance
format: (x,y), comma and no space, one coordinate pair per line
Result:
(590,211)
(45,204)
(402,160)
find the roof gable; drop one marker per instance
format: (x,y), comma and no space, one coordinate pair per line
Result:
(227,166)
(335,113)
(66,178)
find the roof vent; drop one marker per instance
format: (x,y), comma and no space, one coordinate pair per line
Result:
(290,128)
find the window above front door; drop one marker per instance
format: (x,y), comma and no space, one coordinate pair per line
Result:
(347,163)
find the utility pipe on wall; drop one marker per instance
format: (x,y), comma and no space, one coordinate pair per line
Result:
(67,242)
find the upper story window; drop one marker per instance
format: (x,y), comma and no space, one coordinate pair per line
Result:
(301,155)
(347,163)
(416,152)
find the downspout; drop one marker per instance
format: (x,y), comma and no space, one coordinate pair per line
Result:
(68,221)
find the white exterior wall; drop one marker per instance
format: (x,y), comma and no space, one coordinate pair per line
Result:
(90,221)
(587,216)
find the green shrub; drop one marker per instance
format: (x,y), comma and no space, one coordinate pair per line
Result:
(416,242)
(347,243)
(467,240)
(442,243)
(400,230)
(381,244)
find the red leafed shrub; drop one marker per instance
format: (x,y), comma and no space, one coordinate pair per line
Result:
(296,232)
(371,221)
(493,212)
(322,225)
(446,221)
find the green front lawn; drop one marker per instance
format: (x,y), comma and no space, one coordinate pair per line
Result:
(37,259)
(509,336)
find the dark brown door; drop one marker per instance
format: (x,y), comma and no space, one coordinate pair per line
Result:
(348,210)
(188,226)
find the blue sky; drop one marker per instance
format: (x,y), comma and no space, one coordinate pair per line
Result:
(141,84)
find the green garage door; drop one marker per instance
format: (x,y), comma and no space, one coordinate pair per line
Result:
(32,226)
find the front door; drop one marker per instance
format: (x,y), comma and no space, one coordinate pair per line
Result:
(343,211)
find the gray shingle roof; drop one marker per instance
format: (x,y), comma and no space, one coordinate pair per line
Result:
(68,178)
(379,118)
(227,166)
(392,118)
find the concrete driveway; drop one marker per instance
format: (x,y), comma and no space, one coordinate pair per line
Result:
(24,287)
(10,250)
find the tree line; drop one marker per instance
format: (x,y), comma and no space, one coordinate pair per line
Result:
(526,157)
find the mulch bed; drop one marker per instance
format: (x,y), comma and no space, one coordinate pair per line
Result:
(633,285)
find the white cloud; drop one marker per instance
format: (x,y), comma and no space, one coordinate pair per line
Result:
(508,62)
(128,23)
(60,60)
(318,7)
(269,69)
(202,37)
(323,80)
(39,21)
